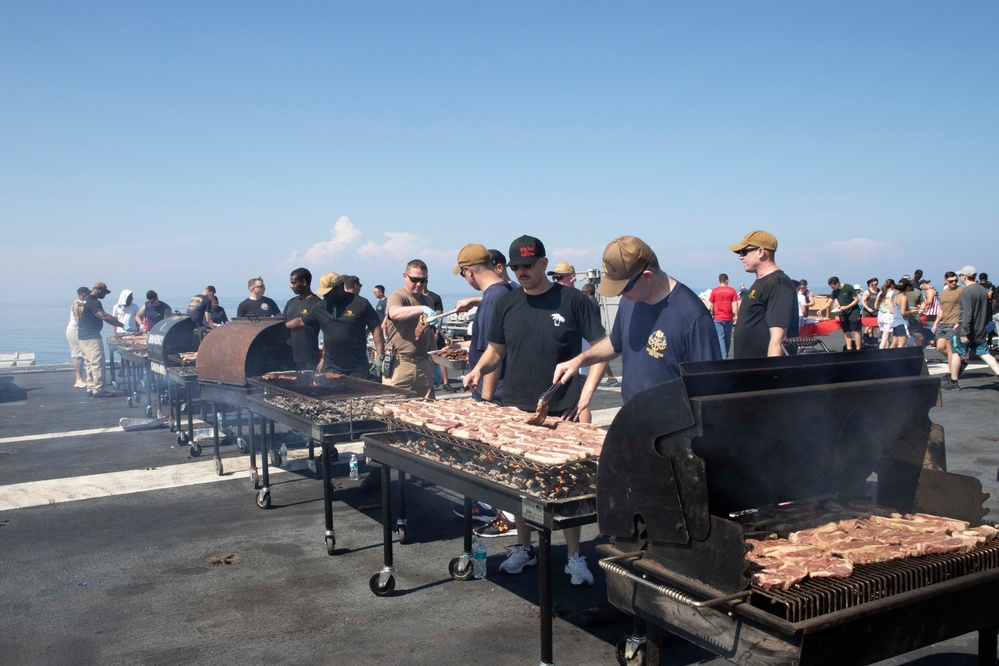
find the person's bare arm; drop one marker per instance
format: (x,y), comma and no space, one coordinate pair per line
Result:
(378,338)
(777,335)
(491,359)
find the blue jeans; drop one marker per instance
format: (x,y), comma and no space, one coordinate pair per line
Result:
(724,331)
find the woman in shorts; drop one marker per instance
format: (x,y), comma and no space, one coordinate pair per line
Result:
(883,304)
(900,305)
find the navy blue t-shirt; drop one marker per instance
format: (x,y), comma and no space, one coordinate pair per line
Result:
(480,328)
(654,340)
(196,308)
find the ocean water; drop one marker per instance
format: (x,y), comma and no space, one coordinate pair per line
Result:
(40,327)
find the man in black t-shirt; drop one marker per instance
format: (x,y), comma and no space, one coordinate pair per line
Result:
(769,312)
(152,312)
(345,320)
(304,341)
(90,316)
(257,305)
(845,299)
(535,328)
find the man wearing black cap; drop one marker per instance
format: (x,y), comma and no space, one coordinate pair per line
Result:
(534,328)
(152,312)
(769,312)
(90,316)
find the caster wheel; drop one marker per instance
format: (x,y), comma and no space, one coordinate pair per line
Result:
(195,449)
(128,402)
(182,438)
(638,659)
(255,480)
(218,468)
(241,445)
(276,459)
(135,396)
(149,411)
(264,500)
(401,531)
(378,589)
(459,574)
(330,545)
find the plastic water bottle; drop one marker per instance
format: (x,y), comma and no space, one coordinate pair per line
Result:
(478,558)
(353,467)
(284,450)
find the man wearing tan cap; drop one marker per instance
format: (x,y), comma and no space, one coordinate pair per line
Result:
(769,312)
(660,322)
(345,320)
(90,316)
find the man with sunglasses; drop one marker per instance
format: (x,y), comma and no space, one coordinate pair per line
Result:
(534,328)
(660,323)
(411,367)
(769,312)
(257,305)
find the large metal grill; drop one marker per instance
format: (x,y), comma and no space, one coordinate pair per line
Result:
(681,458)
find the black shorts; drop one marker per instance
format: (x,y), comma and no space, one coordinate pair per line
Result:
(851,322)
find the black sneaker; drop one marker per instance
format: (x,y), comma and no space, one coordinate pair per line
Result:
(479,512)
(499,527)
(949,385)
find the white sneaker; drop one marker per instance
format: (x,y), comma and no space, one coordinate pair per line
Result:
(577,569)
(80,384)
(519,558)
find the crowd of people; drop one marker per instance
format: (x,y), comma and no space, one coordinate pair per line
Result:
(543,332)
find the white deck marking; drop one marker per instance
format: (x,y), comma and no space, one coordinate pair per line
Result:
(59,435)
(110,484)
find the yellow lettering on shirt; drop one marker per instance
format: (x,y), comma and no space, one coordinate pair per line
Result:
(656,344)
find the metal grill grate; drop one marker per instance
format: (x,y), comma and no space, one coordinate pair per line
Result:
(869,582)
(550,481)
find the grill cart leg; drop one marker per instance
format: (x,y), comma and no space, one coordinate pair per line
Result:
(313,463)
(400,524)
(150,383)
(190,413)
(240,442)
(254,478)
(382,584)
(545,594)
(460,567)
(631,650)
(267,437)
(987,646)
(327,475)
(215,440)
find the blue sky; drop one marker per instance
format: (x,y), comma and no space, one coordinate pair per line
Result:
(171,145)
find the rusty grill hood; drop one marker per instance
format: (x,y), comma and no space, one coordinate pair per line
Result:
(171,336)
(244,348)
(733,435)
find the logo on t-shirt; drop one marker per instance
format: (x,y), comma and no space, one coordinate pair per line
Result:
(752,294)
(557,319)
(264,306)
(656,344)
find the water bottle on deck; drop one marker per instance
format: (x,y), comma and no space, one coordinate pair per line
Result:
(478,558)
(353,467)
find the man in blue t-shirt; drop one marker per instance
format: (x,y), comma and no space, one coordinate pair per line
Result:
(199,310)
(475,265)
(660,322)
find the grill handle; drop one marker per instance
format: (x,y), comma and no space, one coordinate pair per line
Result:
(610,565)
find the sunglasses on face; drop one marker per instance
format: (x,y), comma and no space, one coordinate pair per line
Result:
(746,250)
(463,271)
(633,281)
(416,280)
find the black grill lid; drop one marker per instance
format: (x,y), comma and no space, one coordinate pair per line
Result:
(171,336)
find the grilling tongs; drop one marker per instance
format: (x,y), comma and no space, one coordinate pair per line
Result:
(541,413)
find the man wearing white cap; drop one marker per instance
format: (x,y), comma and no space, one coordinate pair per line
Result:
(769,312)
(969,336)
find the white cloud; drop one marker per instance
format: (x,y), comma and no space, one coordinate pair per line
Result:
(345,237)
(852,252)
